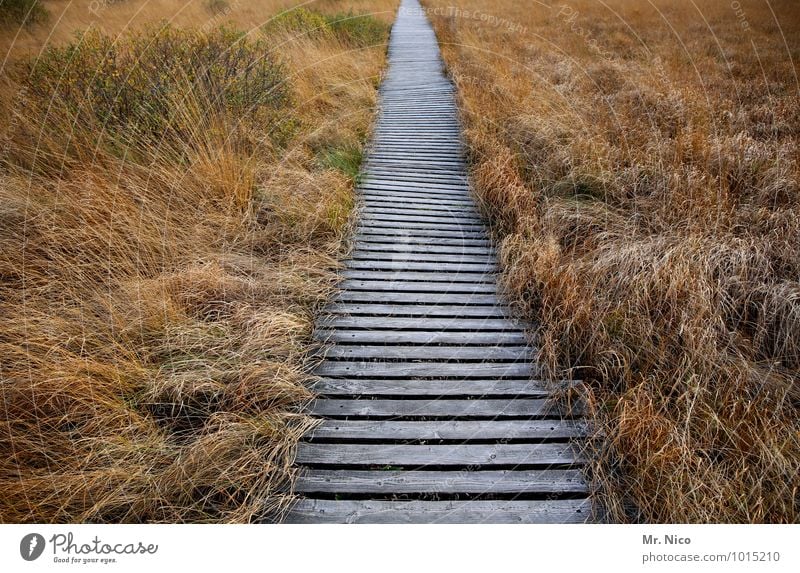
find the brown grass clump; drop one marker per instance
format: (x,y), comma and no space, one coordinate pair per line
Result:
(640,164)
(172,200)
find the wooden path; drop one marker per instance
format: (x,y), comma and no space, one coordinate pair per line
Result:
(428,393)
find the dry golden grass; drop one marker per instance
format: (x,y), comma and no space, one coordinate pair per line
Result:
(640,163)
(115,17)
(160,262)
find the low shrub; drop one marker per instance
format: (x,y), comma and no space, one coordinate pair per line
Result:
(139,88)
(358,30)
(22,11)
(354,30)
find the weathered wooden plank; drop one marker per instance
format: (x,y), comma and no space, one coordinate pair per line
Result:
(422,205)
(415,199)
(453,145)
(432,136)
(371,196)
(446,132)
(442,163)
(421,387)
(434,407)
(376,224)
(447,164)
(399,207)
(396,323)
(441,482)
(409,164)
(435,135)
(431,258)
(445,277)
(416,310)
(424,97)
(416,297)
(430,352)
(420,251)
(449,430)
(422,138)
(437,148)
(462,237)
(433,106)
(404,265)
(420,261)
(441,158)
(434,117)
(463,455)
(440,115)
(444,222)
(451,218)
(403,127)
(432,189)
(406,153)
(421,235)
(370,255)
(416,511)
(403,239)
(391,122)
(460,231)
(414,190)
(405,138)
(426,369)
(449,125)
(419,337)
(421,222)
(433,114)
(412,206)
(398,117)
(418,248)
(378,286)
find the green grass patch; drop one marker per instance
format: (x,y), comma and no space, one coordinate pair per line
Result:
(345,158)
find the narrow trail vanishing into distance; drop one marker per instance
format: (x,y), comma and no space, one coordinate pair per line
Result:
(431,410)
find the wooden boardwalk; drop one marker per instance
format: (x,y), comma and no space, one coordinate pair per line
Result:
(428,393)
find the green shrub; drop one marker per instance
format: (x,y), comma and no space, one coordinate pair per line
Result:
(217,6)
(300,21)
(142,86)
(356,30)
(22,11)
